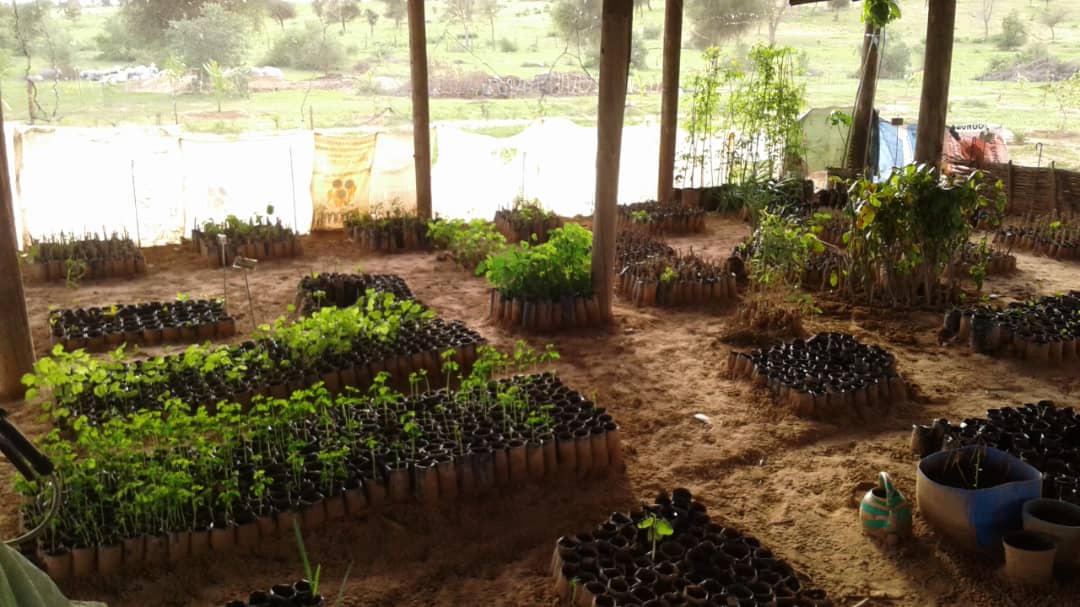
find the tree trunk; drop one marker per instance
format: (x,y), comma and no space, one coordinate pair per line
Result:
(615,40)
(16,345)
(421,126)
(669,105)
(862,120)
(937,69)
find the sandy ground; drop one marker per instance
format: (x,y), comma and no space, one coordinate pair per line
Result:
(790,482)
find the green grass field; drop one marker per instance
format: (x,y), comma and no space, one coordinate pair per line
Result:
(829,40)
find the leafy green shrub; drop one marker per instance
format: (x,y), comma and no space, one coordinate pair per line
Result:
(904,232)
(895,60)
(307,48)
(1013,32)
(215,35)
(115,42)
(561,267)
(469,243)
(507,45)
(782,248)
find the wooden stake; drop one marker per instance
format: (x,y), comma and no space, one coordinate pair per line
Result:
(615,34)
(669,105)
(937,68)
(421,126)
(16,345)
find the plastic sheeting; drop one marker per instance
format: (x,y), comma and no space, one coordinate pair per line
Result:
(241,176)
(155,183)
(553,160)
(75,180)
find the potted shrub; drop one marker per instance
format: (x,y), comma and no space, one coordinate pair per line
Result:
(526,221)
(545,287)
(973,495)
(393,230)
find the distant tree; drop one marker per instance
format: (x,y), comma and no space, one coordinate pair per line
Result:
(984,10)
(36,35)
(489,9)
(577,22)
(372,18)
(115,42)
(774,13)
(838,5)
(214,35)
(149,20)
(396,11)
(281,11)
(1013,32)
(337,11)
(73,9)
(462,11)
(717,21)
(1051,17)
(307,48)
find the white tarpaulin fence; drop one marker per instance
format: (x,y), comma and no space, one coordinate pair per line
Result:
(154,183)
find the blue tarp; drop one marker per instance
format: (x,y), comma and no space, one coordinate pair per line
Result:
(895,147)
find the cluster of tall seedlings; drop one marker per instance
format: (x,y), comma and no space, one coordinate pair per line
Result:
(779,251)
(283,354)
(744,120)
(156,472)
(905,235)
(467,243)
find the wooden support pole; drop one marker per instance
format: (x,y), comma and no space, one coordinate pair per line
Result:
(16,345)
(937,69)
(862,120)
(669,104)
(616,30)
(420,112)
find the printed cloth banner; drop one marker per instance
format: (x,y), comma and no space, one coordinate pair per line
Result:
(341,179)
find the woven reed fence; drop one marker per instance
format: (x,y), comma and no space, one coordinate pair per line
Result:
(1038,191)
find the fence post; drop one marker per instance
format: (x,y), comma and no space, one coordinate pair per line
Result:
(1054,186)
(1009,191)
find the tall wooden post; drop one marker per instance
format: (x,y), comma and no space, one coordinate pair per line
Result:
(669,104)
(420,112)
(615,35)
(863,117)
(937,69)
(16,345)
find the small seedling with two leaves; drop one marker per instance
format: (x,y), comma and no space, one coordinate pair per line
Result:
(657,528)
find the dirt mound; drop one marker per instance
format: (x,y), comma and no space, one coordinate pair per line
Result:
(1047,69)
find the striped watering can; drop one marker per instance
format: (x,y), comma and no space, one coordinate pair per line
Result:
(884,510)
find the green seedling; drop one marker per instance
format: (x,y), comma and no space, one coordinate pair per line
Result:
(657,528)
